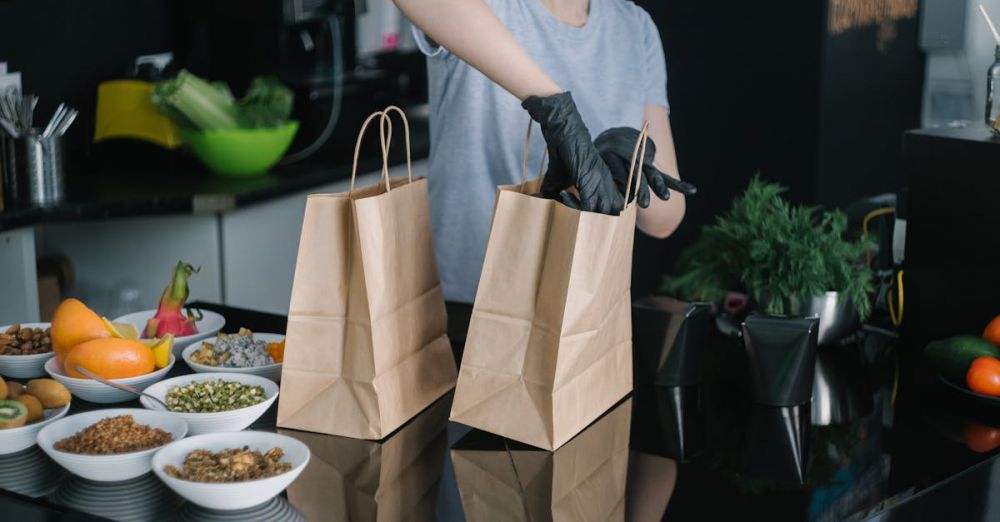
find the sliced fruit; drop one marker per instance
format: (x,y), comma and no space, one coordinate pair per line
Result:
(121,330)
(72,324)
(13,414)
(110,359)
(35,410)
(4,390)
(161,350)
(277,351)
(169,317)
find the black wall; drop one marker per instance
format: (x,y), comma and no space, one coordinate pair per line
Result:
(762,87)
(64,48)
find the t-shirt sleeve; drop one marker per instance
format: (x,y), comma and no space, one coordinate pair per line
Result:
(427,45)
(654,88)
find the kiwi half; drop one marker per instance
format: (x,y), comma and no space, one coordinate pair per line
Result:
(13,414)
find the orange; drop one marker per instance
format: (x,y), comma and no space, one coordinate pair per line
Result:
(73,323)
(110,359)
(992,332)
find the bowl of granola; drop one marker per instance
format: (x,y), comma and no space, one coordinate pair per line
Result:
(228,471)
(243,352)
(110,445)
(214,402)
(24,349)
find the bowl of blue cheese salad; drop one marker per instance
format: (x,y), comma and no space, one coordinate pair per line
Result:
(242,352)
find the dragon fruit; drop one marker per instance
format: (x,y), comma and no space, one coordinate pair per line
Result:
(170,318)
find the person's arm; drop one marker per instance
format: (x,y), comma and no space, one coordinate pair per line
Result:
(470,30)
(661,218)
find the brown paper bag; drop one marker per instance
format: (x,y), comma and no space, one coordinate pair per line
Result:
(582,481)
(549,347)
(366,346)
(397,479)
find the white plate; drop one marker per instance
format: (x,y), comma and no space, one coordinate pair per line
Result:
(233,420)
(231,495)
(94,391)
(208,326)
(16,439)
(25,366)
(107,468)
(269,371)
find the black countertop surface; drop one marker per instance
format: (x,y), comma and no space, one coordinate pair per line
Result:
(147,181)
(699,452)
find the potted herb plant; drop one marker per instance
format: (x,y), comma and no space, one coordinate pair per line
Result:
(791,260)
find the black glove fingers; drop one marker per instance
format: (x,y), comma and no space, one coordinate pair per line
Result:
(568,199)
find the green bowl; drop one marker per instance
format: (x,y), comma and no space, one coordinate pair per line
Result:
(241,152)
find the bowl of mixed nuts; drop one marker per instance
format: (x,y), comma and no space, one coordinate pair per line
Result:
(214,402)
(24,349)
(228,471)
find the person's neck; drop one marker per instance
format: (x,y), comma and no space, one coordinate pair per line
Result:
(569,12)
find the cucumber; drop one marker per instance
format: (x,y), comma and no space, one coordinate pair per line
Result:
(951,357)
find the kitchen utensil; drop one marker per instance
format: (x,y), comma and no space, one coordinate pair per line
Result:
(977,398)
(34,165)
(123,387)
(837,317)
(241,152)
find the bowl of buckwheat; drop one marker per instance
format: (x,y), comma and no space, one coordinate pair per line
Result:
(228,471)
(110,445)
(213,402)
(24,350)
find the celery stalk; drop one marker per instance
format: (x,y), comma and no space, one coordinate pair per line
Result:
(202,105)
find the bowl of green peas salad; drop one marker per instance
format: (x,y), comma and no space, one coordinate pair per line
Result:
(213,402)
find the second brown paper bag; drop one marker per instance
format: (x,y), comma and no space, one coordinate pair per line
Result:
(366,346)
(549,347)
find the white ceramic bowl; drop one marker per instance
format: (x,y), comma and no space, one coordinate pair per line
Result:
(208,326)
(107,468)
(233,420)
(231,495)
(270,371)
(94,391)
(16,439)
(25,366)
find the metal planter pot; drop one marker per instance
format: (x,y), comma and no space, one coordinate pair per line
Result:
(782,358)
(668,337)
(838,318)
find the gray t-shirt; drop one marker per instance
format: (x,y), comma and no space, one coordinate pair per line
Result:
(613,65)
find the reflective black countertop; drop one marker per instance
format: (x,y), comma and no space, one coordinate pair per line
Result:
(864,449)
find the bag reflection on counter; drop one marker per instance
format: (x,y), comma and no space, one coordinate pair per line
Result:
(583,480)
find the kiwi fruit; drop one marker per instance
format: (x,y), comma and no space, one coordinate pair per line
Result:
(3,389)
(35,410)
(14,389)
(51,393)
(13,414)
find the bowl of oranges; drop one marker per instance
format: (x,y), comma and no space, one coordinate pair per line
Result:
(82,340)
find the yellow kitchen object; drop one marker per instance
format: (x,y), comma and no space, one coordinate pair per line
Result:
(124,111)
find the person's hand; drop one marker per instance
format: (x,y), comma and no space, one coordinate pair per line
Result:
(616,147)
(573,159)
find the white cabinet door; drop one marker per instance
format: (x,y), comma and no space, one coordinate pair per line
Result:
(260,244)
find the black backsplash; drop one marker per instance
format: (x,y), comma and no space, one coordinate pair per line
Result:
(65,48)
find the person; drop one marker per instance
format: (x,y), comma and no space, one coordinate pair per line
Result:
(574,65)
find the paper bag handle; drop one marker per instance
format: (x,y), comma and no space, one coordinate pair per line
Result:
(406,130)
(524,159)
(638,152)
(386,139)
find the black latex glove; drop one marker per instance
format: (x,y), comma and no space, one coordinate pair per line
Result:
(573,159)
(616,147)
